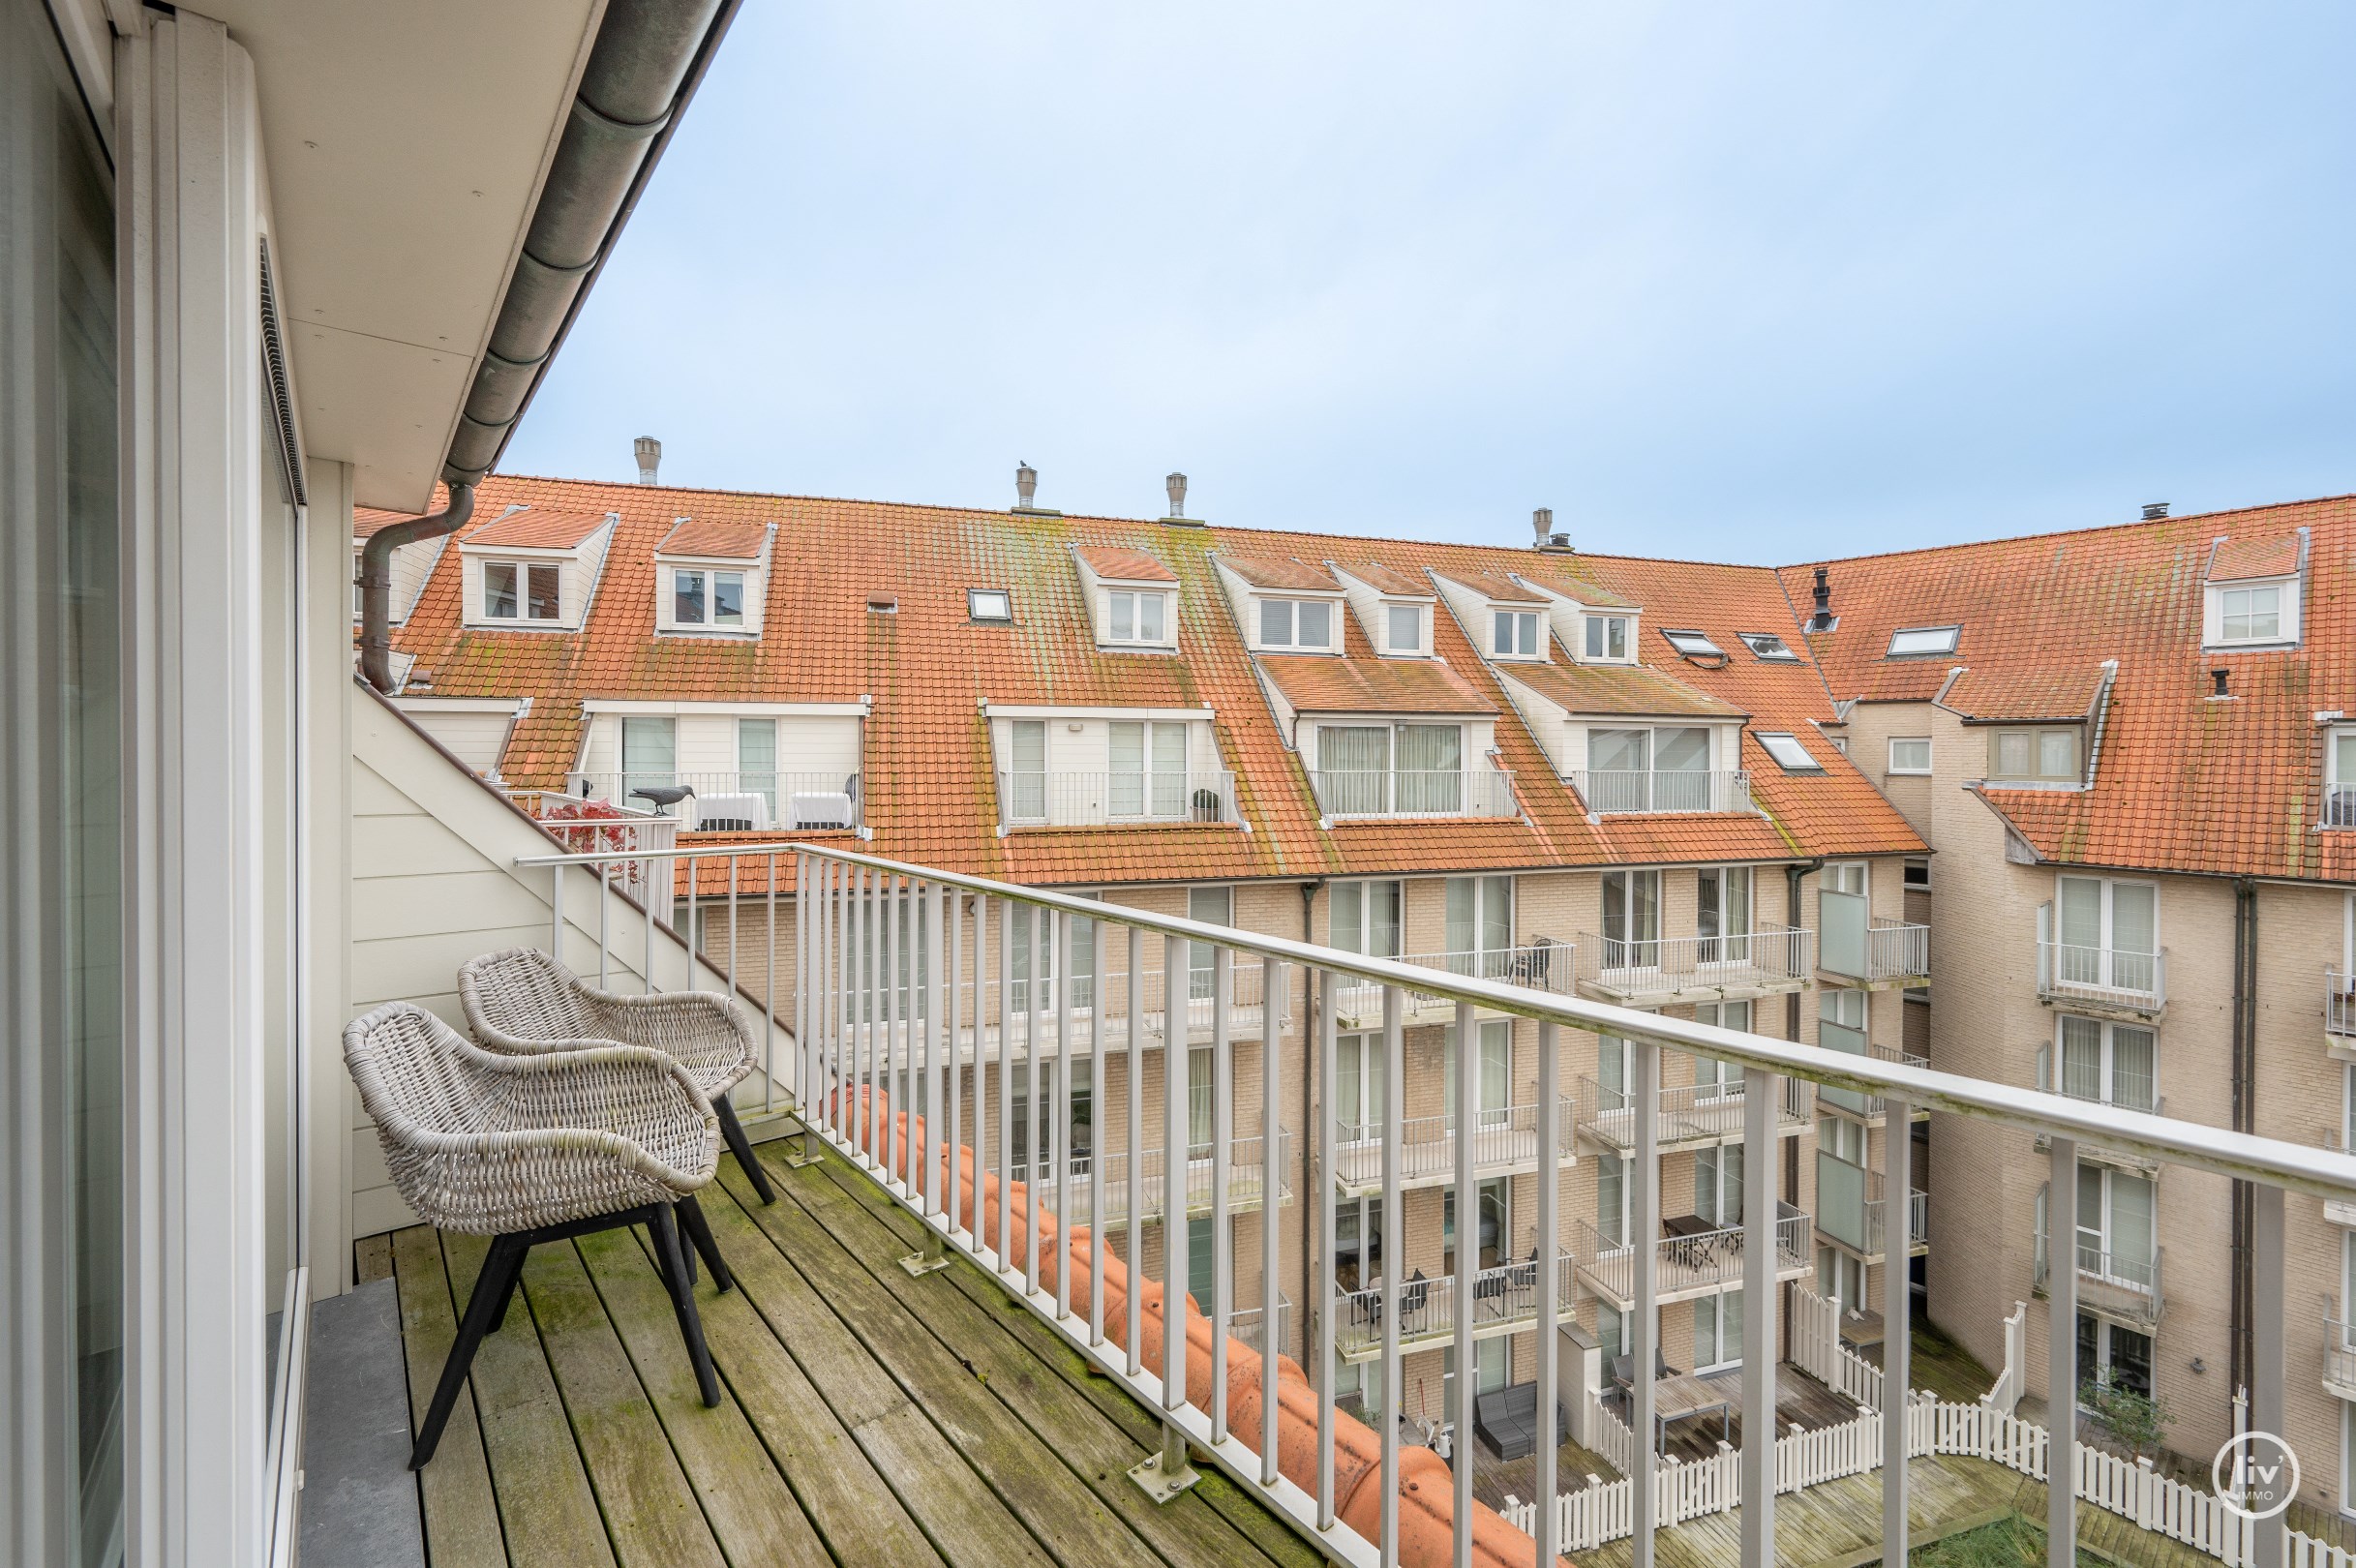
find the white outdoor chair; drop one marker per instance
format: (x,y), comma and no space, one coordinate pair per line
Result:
(533,1149)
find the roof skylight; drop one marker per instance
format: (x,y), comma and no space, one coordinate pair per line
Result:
(1767,645)
(1789,754)
(1693,644)
(1916,641)
(993,605)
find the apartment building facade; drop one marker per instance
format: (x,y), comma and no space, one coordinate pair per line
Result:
(2130,748)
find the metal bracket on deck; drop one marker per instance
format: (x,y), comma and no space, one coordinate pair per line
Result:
(935,1254)
(803,1152)
(1164,1475)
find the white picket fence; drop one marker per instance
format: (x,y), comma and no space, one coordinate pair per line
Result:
(1603,1511)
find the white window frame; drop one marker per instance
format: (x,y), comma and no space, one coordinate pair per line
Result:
(1597,630)
(1292,640)
(974,602)
(1365,1112)
(2107,1061)
(2216,609)
(1799,761)
(2339,782)
(1768,647)
(1521,627)
(1924,642)
(1692,643)
(2037,734)
(1134,600)
(523,566)
(707,595)
(1392,608)
(1361,940)
(1899,769)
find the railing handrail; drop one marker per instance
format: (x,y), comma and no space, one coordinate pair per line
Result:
(2218,1151)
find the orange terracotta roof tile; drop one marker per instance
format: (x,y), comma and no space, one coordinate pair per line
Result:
(716,540)
(1388,580)
(2244,557)
(2020,696)
(2181,782)
(1328,685)
(536,528)
(1620,689)
(1125,565)
(1585,589)
(366,520)
(1280,572)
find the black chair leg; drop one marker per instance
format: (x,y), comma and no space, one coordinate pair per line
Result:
(682,1300)
(699,1236)
(493,1287)
(733,1130)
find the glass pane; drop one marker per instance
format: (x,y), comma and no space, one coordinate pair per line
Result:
(687,599)
(1619,750)
(1122,613)
(1345,920)
(1149,616)
(1497,914)
(1504,632)
(1462,893)
(1028,740)
(2056,754)
(1645,906)
(2081,912)
(2133,924)
(1212,906)
(1169,780)
(2133,1067)
(650,752)
(1276,622)
(544,603)
(2131,1226)
(1681,750)
(498,591)
(1497,1068)
(2081,1058)
(1383,901)
(2012,754)
(728,598)
(1201,1084)
(1407,625)
(1348,1104)
(1316,624)
(1128,754)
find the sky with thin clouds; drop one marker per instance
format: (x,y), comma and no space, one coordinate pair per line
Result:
(1760,282)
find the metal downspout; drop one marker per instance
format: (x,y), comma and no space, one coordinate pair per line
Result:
(376,581)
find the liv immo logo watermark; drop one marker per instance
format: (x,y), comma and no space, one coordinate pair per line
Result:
(2255,1475)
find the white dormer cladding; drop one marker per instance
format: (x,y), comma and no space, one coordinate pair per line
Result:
(1504,621)
(507,574)
(476,729)
(1132,600)
(1064,765)
(1571,739)
(2252,594)
(1294,617)
(1393,611)
(704,589)
(413,567)
(1596,631)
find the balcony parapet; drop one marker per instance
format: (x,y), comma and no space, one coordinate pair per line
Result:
(1660,971)
(1690,1115)
(1542,964)
(1079,799)
(1504,1142)
(1699,1263)
(1616,791)
(1408,793)
(2123,1289)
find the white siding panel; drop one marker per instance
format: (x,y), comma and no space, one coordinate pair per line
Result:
(477,739)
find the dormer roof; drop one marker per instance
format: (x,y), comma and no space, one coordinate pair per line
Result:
(714,540)
(2016,696)
(1386,580)
(1498,587)
(1285,573)
(1116,565)
(1594,595)
(1360,685)
(1632,690)
(2233,560)
(536,528)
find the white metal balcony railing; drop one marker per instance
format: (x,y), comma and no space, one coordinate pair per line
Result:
(1699,1262)
(1637,971)
(2101,977)
(1476,791)
(753,800)
(1244,1325)
(2113,1285)
(1070,1197)
(1891,950)
(1542,964)
(1851,1208)
(1504,1142)
(1505,1297)
(1066,799)
(1685,1115)
(826,1061)
(2338,1004)
(2339,1358)
(1868,1107)
(1612,791)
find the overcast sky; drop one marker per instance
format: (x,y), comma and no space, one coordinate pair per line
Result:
(1744,281)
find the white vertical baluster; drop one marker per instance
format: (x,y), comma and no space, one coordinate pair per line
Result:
(1272,981)
(1223,1153)
(1034,1113)
(605,904)
(2061,1353)
(953,1104)
(1005,1084)
(1323,1292)
(1468,1274)
(1394,1078)
(1060,923)
(939,1188)
(1760,1147)
(1173,1198)
(1097,1082)
(1135,1149)
(888,1094)
(1550,1304)
(2266,1410)
(1897,1328)
(556,912)
(769,985)
(1646,1254)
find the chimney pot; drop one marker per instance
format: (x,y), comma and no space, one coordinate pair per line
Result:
(1175,484)
(2154,511)
(2219,678)
(1026,486)
(650,457)
(1542,523)
(1822,620)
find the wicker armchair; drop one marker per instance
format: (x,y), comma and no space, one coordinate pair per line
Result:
(533,1149)
(521,1001)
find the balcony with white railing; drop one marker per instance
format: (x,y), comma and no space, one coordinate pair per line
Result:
(2111,1284)
(1855,1104)
(1504,1300)
(2122,1090)
(1876,953)
(2339,1010)
(1853,1214)
(760,801)
(2339,1359)
(1687,1115)
(1617,790)
(867,1170)
(2111,981)
(1400,792)
(1663,971)
(1244,1325)
(1073,1196)
(1078,800)
(1702,1259)
(1542,964)
(1504,1143)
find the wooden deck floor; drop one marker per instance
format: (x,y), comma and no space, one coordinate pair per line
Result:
(866,1417)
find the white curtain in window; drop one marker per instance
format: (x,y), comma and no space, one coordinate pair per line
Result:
(1431,767)
(1027,781)
(1353,762)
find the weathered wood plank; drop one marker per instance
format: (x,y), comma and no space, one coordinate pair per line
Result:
(371,1259)
(543,1497)
(650,1510)
(1037,1373)
(749,1506)
(462,1519)
(960,1510)
(880,1487)
(1031,1477)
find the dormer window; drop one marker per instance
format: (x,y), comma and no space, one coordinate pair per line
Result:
(2340,780)
(1768,647)
(2046,755)
(1134,616)
(522,591)
(1922,642)
(1403,626)
(1303,623)
(702,598)
(1607,638)
(2253,615)
(1515,634)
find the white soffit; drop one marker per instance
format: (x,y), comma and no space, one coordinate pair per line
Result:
(406,146)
